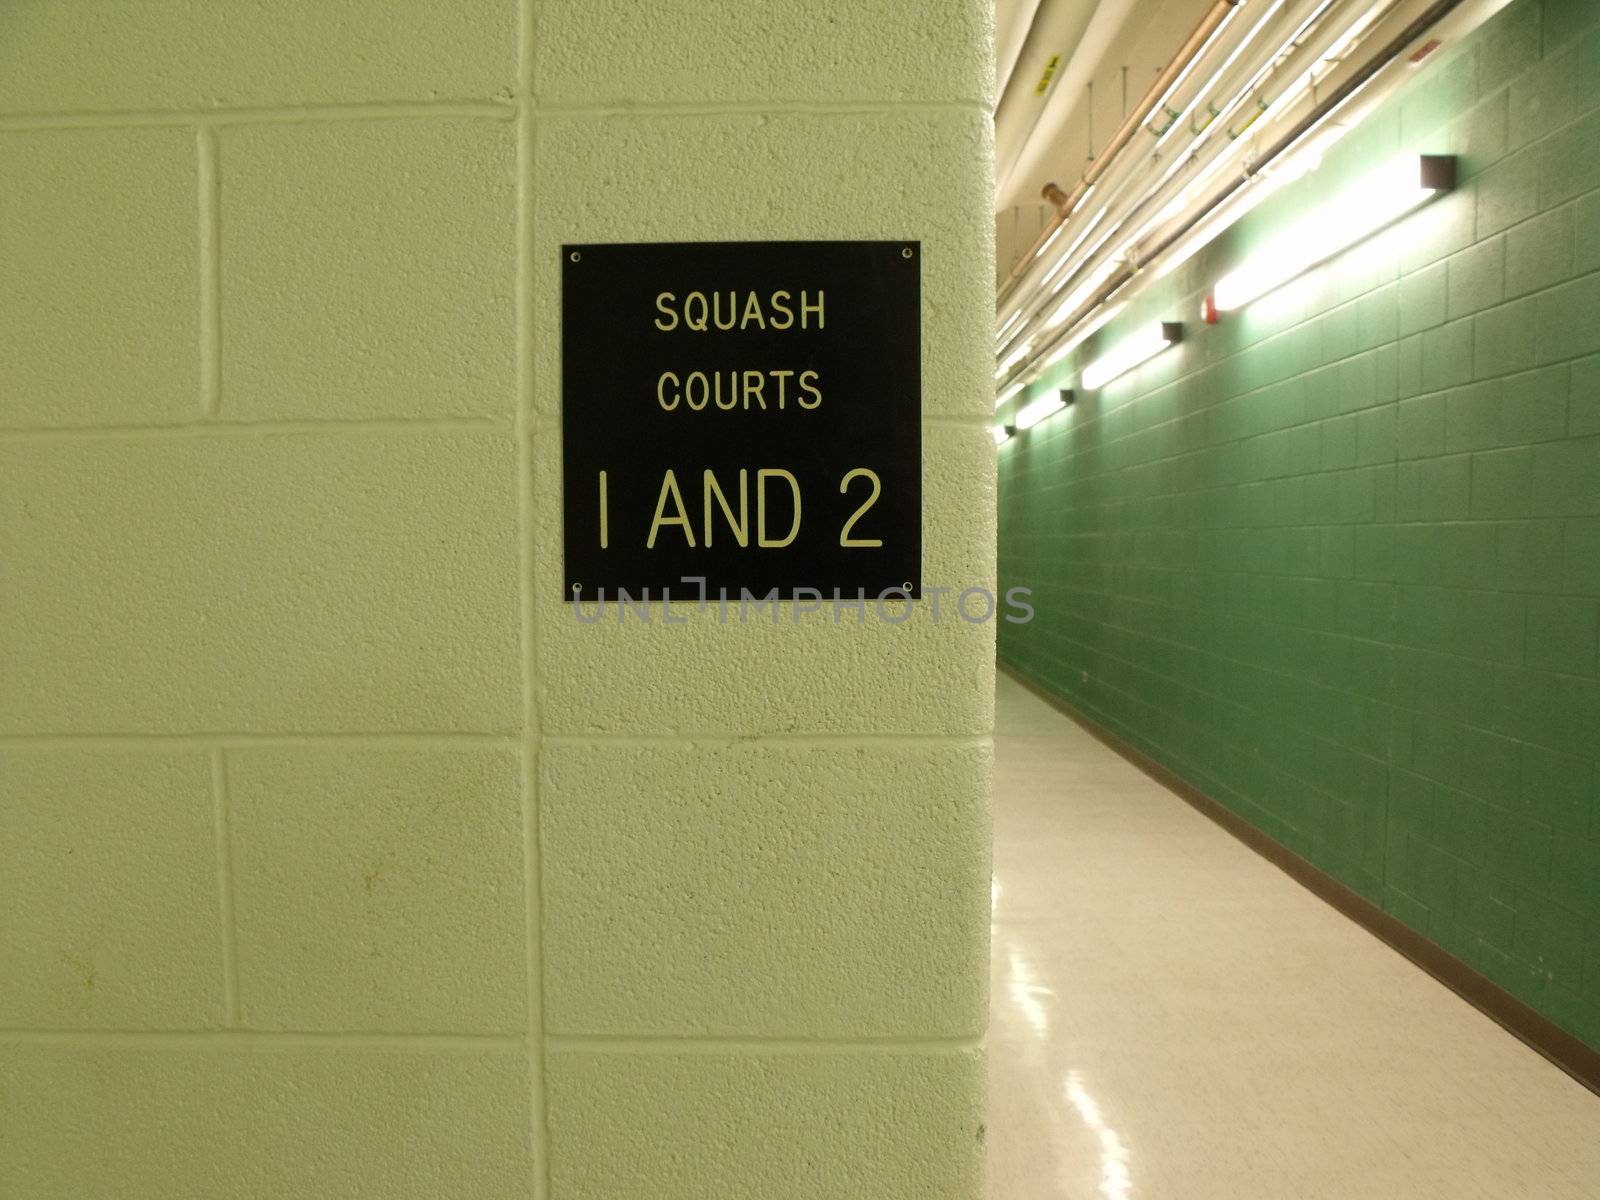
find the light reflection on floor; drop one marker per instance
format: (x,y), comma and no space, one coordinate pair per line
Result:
(1175,1018)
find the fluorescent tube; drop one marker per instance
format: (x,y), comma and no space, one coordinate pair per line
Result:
(1332,229)
(1125,356)
(1040,409)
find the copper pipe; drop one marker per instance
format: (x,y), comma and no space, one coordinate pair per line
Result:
(1320,112)
(1130,125)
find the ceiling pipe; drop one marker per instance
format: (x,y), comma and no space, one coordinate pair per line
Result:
(1321,112)
(1123,186)
(1131,124)
(1142,111)
(1309,55)
(1300,134)
(1300,35)
(1305,31)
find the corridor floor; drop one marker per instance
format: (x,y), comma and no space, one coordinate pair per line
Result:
(1176,1019)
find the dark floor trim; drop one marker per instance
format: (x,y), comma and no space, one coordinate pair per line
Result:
(1576,1058)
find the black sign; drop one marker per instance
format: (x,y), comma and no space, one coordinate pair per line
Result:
(743,412)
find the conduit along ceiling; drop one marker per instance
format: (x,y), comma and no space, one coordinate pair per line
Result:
(1130,133)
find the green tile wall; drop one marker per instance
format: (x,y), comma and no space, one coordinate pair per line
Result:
(1336,560)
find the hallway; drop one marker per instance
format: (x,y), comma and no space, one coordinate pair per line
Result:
(1173,1017)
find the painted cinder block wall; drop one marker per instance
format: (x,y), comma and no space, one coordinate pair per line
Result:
(336,859)
(1336,561)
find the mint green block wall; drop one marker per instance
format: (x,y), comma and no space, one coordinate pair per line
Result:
(1336,560)
(336,858)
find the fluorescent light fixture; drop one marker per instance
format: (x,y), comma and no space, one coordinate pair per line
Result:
(1082,294)
(1390,194)
(1082,332)
(1009,392)
(1140,348)
(1219,222)
(1083,236)
(1174,207)
(1002,434)
(1000,334)
(1044,407)
(1011,360)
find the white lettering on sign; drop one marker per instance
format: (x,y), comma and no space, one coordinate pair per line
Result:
(877,490)
(671,512)
(743,390)
(762,539)
(698,313)
(669,491)
(739,525)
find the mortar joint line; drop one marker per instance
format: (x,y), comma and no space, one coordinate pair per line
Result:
(621,107)
(700,740)
(209,178)
(222,820)
(503,109)
(244,741)
(267,1038)
(214,424)
(757,1044)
